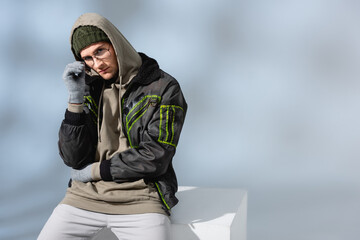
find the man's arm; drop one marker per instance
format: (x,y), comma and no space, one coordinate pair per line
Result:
(75,143)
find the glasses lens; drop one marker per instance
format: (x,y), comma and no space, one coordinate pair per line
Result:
(89,62)
(102,54)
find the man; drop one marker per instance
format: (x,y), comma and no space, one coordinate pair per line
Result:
(119,136)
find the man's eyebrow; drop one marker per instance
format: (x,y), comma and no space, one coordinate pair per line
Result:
(101,46)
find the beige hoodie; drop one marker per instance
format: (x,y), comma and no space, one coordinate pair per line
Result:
(110,197)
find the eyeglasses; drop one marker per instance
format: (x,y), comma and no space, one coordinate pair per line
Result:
(101,54)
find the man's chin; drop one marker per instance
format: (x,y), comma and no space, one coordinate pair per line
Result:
(107,76)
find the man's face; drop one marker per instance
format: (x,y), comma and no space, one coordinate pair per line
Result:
(101,58)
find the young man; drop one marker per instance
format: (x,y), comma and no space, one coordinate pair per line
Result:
(119,136)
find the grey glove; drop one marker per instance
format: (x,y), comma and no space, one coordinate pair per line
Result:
(74,78)
(82,175)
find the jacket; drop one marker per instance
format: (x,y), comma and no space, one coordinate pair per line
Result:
(153,114)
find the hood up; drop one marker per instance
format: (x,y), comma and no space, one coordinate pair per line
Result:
(129,61)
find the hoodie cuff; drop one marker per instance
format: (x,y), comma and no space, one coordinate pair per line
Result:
(75,108)
(95,171)
(105,170)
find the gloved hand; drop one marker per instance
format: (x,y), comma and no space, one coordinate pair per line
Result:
(82,175)
(74,78)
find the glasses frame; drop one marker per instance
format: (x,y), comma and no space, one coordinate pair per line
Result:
(94,56)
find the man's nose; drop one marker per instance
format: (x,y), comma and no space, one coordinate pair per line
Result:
(96,61)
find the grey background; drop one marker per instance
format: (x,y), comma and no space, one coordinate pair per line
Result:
(273,92)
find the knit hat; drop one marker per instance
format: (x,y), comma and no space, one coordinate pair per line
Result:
(84,36)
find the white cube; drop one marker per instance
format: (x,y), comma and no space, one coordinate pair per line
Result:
(209,213)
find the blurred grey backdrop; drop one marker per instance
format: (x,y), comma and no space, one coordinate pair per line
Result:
(273,91)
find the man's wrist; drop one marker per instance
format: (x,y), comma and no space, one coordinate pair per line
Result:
(76,107)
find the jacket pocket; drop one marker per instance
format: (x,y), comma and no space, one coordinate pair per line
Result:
(171,118)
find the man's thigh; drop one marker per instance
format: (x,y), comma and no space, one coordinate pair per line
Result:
(67,222)
(149,226)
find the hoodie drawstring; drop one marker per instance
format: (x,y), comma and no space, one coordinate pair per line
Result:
(98,121)
(120,97)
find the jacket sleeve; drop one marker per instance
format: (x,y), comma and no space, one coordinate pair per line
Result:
(75,143)
(153,156)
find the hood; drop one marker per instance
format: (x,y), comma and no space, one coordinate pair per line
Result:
(129,61)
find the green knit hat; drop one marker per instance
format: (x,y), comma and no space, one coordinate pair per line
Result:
(84,36)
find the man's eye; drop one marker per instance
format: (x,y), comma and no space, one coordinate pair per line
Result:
(86,59)
(100,51)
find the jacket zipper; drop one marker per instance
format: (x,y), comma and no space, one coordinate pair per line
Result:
(161,196)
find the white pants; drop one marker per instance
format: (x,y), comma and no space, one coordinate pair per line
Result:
(67,222)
